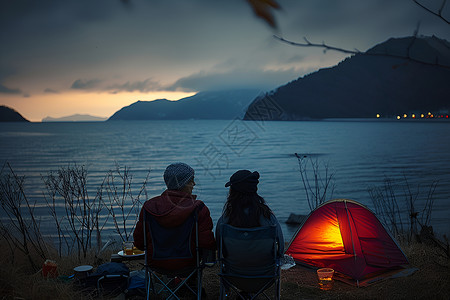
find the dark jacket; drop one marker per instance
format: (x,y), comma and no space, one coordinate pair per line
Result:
(171,209)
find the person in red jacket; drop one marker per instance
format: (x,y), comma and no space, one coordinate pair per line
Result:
(171,209)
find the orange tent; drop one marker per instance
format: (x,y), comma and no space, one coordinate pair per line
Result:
(346,236)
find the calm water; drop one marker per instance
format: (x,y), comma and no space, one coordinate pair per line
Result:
(361,155)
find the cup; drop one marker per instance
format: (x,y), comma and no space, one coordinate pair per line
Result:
(50,269)
(325,276)
(128,248)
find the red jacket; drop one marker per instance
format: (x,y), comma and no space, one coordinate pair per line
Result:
(171,209)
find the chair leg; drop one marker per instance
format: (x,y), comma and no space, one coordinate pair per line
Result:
(278,289)
(223,292)
(148,285)
(199,284)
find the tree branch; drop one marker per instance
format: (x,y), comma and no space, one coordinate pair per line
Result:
(356,51)
(438,13)
(323,45)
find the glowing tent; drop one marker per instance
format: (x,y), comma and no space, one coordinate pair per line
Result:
(346,236)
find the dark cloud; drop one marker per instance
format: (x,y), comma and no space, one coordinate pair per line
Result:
(142,86)
(6,72)
(358,24)
(50,91)
(294,59)
(165,40)
(7,90)
(81,84)
(235,79)
(43,19)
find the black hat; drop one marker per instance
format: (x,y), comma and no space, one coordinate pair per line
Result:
(244,181)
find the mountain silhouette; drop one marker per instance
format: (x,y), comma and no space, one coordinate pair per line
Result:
(204,105)
(399,76)
(75,118)
(8,114)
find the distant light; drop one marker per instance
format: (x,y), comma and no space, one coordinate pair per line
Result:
(429,114)
(413,116)
(405,116)
(398,117)
(422,115)
(378,115)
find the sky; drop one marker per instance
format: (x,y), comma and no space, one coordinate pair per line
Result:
(59,58)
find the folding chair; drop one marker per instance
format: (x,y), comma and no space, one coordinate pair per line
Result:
(112,285)
(248,261)
(172,243)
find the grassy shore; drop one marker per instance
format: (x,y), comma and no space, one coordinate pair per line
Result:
(431,281)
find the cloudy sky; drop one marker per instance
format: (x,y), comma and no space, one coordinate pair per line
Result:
(59,58)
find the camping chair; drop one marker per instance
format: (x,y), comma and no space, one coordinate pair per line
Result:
(172,243)
(112,285)
(248,261)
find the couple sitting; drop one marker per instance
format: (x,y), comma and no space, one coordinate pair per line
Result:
(244,208)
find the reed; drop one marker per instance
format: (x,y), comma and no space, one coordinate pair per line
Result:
(317,179)
(406,223)
(78,215)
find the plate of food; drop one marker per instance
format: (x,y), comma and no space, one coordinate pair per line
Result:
(136,252)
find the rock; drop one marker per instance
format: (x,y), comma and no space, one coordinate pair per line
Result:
(295,219)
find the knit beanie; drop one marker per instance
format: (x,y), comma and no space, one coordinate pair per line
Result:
(177,175)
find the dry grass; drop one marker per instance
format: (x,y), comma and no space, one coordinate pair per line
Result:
(431,281)
(19,281)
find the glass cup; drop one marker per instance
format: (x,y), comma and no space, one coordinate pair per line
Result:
(325,276)
(128,248)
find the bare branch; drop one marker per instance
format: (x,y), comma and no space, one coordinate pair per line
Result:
(438,13)
(356,51)
(323,45)
(122,206)
(20,228)
(319,189)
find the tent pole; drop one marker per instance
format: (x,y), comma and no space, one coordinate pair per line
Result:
(350,226)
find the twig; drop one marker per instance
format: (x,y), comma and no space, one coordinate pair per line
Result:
(438,13)
(316,194)
(357,52)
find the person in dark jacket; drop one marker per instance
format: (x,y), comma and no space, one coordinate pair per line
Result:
(246,209)
(171,209)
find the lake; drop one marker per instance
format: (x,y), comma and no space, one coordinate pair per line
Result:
(360,155)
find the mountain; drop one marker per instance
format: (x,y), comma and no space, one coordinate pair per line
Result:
(74,118)
(401,75)
(8,114)
(204,105)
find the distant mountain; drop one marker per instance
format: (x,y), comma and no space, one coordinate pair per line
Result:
(204,105)
(75,118)
(8,114)
(361,86)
